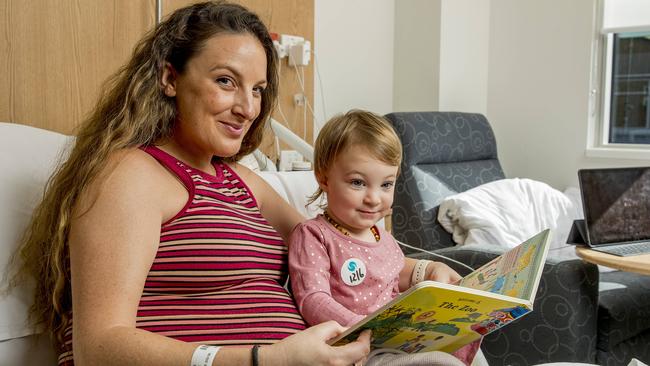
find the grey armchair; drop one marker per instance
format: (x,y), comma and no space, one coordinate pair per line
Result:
(446,153)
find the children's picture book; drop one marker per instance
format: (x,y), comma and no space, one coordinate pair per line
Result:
(433,316)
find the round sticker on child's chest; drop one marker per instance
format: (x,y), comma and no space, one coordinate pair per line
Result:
(353,272)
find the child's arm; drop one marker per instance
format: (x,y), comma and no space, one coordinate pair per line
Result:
(309,268)
(320,307)
(435,271)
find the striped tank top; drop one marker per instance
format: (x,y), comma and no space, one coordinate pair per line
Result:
(218,273)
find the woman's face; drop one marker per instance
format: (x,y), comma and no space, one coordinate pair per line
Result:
(218,95)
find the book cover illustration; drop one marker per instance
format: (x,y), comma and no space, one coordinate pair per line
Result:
(433,316)
(514,273)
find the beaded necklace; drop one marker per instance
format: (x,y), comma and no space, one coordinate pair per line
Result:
(337,226)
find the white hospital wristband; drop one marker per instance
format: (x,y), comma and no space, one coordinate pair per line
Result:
(419,271)
(204,355)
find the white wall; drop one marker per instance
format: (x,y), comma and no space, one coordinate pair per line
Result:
(538,89)
(353,43)
(464,44)
(625,14)
(417,55)
(525,64)
(441,55)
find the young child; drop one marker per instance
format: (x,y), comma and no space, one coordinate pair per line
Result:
(342,265)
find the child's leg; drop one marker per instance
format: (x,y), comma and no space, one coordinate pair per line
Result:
(479,359)
(467,352)
(416,359)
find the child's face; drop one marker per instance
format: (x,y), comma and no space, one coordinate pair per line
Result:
(359,189)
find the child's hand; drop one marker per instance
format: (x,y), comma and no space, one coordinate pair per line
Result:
(438,271)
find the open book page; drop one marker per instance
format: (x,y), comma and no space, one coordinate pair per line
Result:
(435,316)
(515,273)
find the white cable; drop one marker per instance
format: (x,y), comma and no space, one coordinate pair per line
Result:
(320,84)
(315,119)
(301,83)
(279,104)
(307,105)
(435,255)
(304,107)
(562,247)
(285,120)
(310,109)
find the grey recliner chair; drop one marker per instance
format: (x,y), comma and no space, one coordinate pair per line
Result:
(446,153)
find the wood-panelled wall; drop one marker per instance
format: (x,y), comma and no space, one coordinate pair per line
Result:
(55,55)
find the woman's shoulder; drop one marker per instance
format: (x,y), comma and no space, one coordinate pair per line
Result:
(247,175)
(132,166)
(260,189)
(133,157)
(130,173)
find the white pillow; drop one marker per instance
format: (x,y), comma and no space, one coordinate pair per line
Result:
(506,212)
(30,350)
(28,156)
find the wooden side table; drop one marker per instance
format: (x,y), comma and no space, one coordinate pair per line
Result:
(638,263)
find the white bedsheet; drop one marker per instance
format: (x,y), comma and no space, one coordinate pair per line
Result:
(506,212)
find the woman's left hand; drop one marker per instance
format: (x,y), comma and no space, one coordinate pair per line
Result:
(440,272)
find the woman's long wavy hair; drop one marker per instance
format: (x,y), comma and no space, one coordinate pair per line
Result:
(132,111)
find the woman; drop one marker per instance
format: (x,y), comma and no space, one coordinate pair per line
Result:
(148,236)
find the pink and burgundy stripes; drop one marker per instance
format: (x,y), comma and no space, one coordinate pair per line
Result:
(218,273)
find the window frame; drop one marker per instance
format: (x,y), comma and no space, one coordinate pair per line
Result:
(598,144)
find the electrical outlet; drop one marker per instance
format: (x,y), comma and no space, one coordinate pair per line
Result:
(280,50)
(300,54)
(299,99)
(288,40)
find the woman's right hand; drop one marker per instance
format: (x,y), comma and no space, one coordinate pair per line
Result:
(310,347)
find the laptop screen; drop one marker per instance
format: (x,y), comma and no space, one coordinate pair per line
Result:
(616,204)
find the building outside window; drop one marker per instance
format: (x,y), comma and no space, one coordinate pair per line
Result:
(629,117)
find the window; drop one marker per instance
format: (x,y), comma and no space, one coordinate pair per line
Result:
(629,117)
(620,118)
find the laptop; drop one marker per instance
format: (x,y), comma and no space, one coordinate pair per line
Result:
(616,204)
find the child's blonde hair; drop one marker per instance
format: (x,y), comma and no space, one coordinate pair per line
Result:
(355,128)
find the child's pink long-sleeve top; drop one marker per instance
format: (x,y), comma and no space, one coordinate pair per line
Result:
(337,277)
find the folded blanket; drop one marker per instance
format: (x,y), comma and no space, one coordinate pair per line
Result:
(506,212)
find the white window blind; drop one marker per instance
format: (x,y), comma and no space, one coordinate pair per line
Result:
(626,16)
